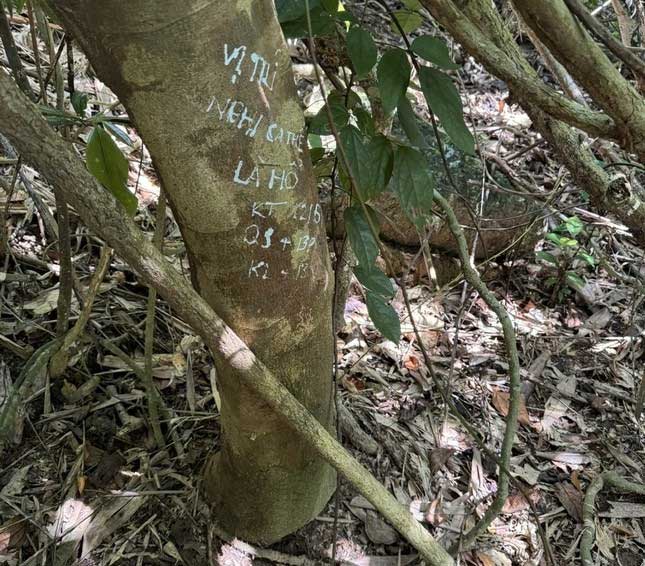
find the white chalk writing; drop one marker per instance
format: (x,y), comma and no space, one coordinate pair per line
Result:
(278,221)
(239,115)
(262,67)
(279,179)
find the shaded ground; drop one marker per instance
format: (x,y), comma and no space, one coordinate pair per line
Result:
(85,455)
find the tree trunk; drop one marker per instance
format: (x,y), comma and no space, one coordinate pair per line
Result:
(567,39)
(210,90)
(480,19)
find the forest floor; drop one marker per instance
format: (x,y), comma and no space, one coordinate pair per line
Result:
(84,455)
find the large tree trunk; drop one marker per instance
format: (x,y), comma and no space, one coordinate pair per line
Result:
(210,89)
(40,146)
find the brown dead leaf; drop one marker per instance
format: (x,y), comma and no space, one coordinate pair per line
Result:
(624,510)
(439,458)
(572,320)
(12,534)
(412,363)
(517,502)
(501,401)
(557,406)
(81,481)
(570,498)
(353,384)
(492,557)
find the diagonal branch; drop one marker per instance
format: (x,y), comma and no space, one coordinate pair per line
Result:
(567,39)
(619,49)
(628,206)
(478,44)
(40,146)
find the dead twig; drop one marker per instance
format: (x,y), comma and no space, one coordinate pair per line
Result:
(60,359)
(151,391)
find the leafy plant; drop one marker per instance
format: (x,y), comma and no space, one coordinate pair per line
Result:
(566,258)
(104,158)
(378,162)
(292,15)
(107,163)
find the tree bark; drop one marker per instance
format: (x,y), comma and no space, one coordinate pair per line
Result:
(210,90)
(497,62)
(480,17)
(58,162)
(566,38)
(12,54)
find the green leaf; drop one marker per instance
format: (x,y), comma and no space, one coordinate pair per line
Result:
(330,5)
(362,50)
(574,225)
(408,20)
(18,5)
(79,102)
(384,317)
(546,256)
(412,4)
(118,133)
(381,162)
(289,10)
(320,122)
(393,74)
(314,141)
(412,181)
(322,23)
(575,281)
(443,98)
(57,117)
(434,50)
(370,162)
(364,121)
(360,236)
(588,258)
(408,121)
(110,167)
(357,154)
(553,237)
(550,281)
(374,280)
(316,154)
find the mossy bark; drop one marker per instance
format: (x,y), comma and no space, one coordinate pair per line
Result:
(210,89)
(479,18)
(567,39)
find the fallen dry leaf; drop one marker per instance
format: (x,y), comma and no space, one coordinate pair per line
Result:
(492,557)
(12,534)
(378,531)
(412,363)
(557,405)
(72,521)
(517,502)
(501,401)
(439,458)
(570,498)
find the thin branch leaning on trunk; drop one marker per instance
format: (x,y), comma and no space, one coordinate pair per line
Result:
(21,122)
